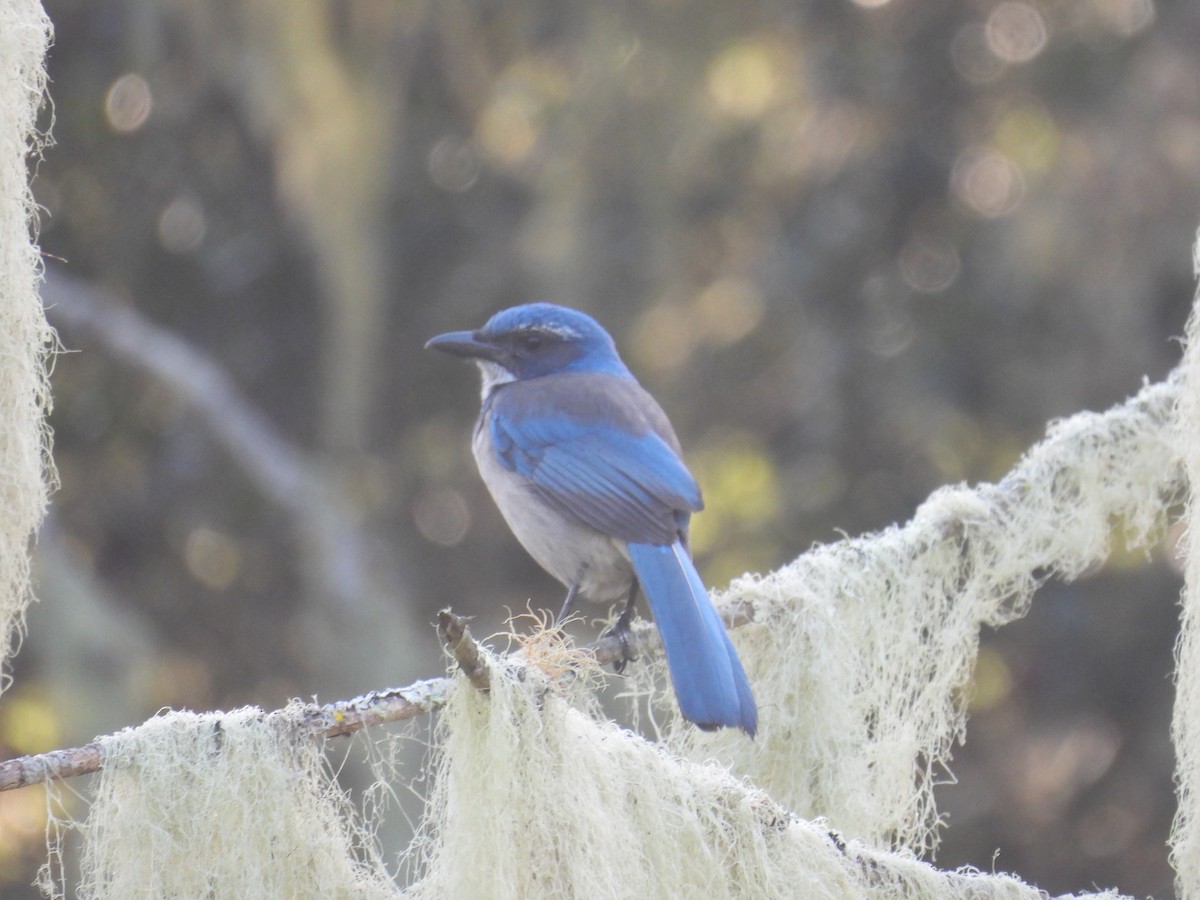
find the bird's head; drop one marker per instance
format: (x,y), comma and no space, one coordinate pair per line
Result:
(533,340)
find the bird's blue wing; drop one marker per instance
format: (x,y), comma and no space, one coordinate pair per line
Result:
(599,449)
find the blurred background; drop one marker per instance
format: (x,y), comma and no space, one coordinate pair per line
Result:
(857,250)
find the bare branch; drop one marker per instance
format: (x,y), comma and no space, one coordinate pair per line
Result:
(276,466)
(456,636)
(280,470)
(53,766)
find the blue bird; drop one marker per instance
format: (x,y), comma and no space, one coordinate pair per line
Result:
(588,473)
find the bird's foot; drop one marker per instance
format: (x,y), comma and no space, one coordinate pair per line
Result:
(623,633)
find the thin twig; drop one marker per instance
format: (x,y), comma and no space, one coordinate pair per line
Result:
(53,766)
(470,656)
(345,717)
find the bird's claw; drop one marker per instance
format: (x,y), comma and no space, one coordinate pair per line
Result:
(621,631)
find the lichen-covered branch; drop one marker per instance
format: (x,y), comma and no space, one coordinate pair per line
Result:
(953,528)
(343,717)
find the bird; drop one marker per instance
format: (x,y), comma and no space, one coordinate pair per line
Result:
(589,475)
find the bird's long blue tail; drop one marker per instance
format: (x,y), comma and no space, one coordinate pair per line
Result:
(710,683)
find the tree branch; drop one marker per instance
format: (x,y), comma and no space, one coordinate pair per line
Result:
(1154,406)
(454,634)
(280,470)
(330,720)
(345,717)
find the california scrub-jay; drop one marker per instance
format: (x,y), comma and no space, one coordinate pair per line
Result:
(587,472)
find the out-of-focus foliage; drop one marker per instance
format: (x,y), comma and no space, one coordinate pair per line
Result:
(857,250)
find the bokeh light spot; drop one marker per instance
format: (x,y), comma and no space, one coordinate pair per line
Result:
(182,225)
(22,817)
(728,310)
(1125,17)
(442,517)
(507,129)
(128,102)
(30,724)
(742,80)
(928,264)
(1056,766)
(993,681)
(1028,136)
(453,165)
(801,141)
(871,4)
(664,337)
(972,56)
(886,326)
(1016,32)
(212,558)
(741,489)
(987,182)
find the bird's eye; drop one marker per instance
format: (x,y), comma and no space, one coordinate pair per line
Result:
(529,340)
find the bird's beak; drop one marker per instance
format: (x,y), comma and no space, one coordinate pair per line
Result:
(462,343)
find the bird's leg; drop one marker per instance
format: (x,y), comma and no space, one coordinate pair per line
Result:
(621,631)
(572,593)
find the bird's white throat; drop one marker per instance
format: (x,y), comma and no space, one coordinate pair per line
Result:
(494,375)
